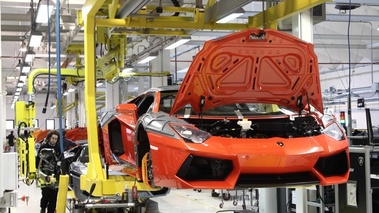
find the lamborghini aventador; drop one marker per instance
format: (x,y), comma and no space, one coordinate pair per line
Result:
(249,113)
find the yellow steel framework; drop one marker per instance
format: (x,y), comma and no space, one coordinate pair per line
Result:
(160,25)
(108,66)
(267,19)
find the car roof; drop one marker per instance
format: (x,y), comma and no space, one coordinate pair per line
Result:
(165,88)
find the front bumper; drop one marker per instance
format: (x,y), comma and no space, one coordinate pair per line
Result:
(223,163)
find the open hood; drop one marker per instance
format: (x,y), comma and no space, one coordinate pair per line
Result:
(252,66)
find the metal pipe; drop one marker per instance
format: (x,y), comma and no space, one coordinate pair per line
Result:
(58,39)
(65,72)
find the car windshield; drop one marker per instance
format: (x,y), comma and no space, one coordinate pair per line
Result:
(246,109)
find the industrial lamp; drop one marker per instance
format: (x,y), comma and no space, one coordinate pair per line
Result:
(44,10)
(148,58)
(35,39)
(178,43)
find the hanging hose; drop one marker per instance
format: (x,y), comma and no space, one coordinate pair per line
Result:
(48,63)
(59,78)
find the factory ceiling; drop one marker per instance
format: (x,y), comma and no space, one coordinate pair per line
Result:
(333,43)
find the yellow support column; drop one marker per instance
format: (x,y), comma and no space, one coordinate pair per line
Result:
(62,194)
(95,172)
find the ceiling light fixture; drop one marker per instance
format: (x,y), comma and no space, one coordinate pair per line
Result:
(222,9)
(148,58)
(18,89)
(44,11)
(99,83)
(237,13)
(178,43)
(29,57)
(35,39)
(22,78)
(26,68)
(20,84)
(23,47)
(127,69)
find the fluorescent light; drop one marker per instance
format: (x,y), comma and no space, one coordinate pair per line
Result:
(16,97)
(44,11)
(25,69)
(29,57)
(23,78)
(127,69)
(99,83)
(35,39)
(178,43)
(23,49)
(18,89)
(149,58)
(17,93)
(229,17)
(20,84)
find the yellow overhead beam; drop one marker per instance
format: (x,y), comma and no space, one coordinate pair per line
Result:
(267,19)
(151,74)
(164,23)
(64,72)
(173,9)
(285,9)
(157,32)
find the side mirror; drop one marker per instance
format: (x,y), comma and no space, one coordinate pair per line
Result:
(126,108)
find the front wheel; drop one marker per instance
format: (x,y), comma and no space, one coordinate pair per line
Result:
(147,170)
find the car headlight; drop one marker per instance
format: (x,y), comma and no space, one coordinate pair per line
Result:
(191,134)
(333,128)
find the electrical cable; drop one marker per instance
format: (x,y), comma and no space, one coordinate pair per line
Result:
(49,62)
(58,58)
(349,81)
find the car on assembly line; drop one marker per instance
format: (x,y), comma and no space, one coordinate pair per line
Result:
(249,113)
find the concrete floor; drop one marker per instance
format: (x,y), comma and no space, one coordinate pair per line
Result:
(177,201)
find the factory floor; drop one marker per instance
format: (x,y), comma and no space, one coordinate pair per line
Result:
(177,201)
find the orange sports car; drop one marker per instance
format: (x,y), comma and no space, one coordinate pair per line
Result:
(249,113)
